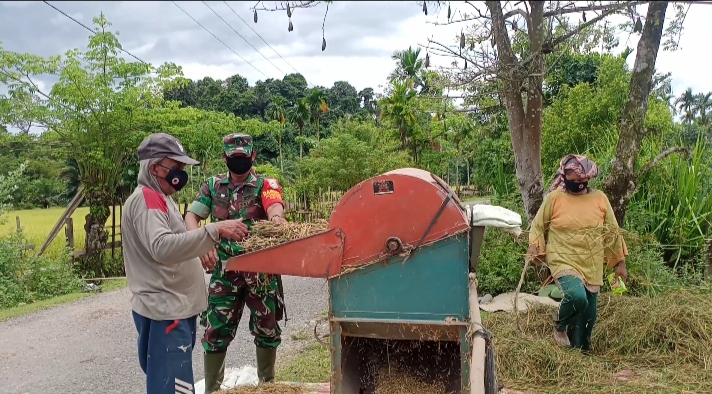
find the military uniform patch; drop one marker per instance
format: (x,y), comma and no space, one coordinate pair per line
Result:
(272,183)
(271,194)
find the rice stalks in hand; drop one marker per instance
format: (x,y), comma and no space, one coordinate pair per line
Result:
(265,234)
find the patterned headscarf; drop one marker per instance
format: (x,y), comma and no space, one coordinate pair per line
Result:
(580,165)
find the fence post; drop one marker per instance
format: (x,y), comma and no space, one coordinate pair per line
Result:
(113,230)
(69,234)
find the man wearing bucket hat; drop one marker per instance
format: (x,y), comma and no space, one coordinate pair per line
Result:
(239,193)
(163,268)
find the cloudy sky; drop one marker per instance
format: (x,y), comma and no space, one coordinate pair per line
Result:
(361,36)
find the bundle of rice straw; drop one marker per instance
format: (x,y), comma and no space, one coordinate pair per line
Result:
(272,388)
(394,380)
(265,234)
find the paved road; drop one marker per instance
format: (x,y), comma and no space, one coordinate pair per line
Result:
(89,347)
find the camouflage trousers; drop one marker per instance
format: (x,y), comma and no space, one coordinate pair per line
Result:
(228,294)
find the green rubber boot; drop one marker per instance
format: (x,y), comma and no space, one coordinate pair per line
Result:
(266,358)
(214,365)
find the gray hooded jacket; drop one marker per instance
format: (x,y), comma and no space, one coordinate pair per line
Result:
(161,258)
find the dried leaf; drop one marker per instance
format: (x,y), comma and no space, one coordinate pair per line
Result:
(291,27)
(289,11)
(255,16)
(425,8)
(323,44)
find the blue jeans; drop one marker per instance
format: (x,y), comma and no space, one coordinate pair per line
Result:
(165,352)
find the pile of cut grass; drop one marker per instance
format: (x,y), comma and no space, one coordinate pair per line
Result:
(394,379)
(652,345)
(265,234)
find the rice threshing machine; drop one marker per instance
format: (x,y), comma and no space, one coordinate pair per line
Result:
(398,257)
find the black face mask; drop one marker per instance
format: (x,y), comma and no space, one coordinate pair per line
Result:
(239,165)
(575,187)
(176,178)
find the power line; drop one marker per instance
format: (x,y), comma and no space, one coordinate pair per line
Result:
(214,36)
(243,38)
(263,40)
(91,31)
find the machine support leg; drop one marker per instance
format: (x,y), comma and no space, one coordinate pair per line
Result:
(336,377)
(477,364)
(465,360)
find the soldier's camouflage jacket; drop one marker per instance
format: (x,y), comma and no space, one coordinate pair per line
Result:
(219,199)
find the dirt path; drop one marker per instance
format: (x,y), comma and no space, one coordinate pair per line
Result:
(89,347)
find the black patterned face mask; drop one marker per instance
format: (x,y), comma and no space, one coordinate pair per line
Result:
(176,178)
(575,187)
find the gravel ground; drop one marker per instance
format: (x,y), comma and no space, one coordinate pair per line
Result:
(89,347)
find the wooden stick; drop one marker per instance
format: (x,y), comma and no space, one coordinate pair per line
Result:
(477,362)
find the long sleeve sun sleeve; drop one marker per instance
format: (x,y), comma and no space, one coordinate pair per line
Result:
(615,247)
(539,228)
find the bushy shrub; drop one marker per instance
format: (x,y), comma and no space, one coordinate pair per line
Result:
(26,278)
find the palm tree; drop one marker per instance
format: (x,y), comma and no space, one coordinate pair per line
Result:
(703,102)
(686,103)
(317,107)
(409,66)
(277,112)
(399,109)
(300,115)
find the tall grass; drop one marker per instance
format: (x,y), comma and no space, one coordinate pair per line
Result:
(674,203)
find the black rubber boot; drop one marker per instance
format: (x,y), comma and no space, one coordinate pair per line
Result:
(214,365)
(266,358)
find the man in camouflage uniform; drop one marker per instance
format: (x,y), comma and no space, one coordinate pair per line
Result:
(238,194)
